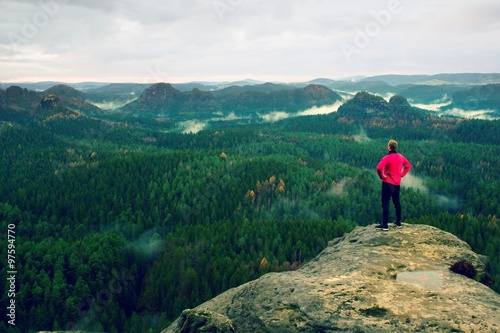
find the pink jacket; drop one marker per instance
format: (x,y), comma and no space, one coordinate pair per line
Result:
(393,167)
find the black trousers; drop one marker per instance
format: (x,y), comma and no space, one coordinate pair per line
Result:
(390,191)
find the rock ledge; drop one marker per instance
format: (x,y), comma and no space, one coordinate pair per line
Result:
(366,281)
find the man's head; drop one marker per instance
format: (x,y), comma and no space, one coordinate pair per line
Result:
(392,145)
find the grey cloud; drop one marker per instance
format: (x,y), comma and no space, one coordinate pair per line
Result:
(267,40)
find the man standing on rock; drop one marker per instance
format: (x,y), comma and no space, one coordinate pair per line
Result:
(391,169)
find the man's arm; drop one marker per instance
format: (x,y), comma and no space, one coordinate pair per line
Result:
(406,167)
(381,169)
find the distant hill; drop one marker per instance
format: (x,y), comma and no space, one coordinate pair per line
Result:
(452,78)
(72,98)
(36,86)
(394,79)
(468,78)
(352,86)
(118,89)
(21,106)
(323,81)
(376,87)
(52,117)
(373,111)
(213,86)
(484,97)
(159,98)
(164,99)
(193,85)
(263,88)
(115,95)
(202,99)
(423,93)
(44,85)
(18,98)
(64,91)
(22,99)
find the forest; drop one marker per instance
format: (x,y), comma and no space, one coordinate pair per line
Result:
(121,227)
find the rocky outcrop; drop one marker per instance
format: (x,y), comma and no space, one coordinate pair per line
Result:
(364,103)
(49,102)
(164,99)
(366,281)
(70,98)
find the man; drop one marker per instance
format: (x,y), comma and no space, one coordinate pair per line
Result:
(391,169)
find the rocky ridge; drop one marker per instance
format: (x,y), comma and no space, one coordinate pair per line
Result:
(163,98)
(366,281)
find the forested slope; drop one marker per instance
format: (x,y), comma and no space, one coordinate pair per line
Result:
(120,228)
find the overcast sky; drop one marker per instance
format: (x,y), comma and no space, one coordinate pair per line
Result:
(270,40)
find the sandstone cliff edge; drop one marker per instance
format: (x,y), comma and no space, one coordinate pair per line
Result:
(366,281)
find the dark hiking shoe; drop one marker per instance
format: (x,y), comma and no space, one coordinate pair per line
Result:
(382,227)
(399,225)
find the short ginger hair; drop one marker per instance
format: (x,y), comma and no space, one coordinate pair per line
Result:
(393,144)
